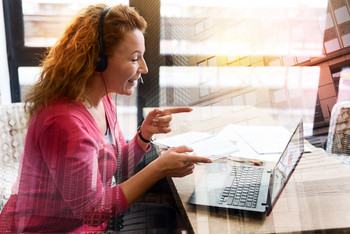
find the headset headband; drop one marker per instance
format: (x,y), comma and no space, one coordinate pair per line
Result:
(102,60)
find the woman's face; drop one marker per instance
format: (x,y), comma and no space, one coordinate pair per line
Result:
(127,64)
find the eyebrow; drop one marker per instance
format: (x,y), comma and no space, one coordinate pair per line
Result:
(136,52)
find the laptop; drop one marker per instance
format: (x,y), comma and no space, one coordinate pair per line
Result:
(246,187)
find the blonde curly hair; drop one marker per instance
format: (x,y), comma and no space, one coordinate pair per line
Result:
(71,62)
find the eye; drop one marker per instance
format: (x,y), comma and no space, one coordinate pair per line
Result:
(134,60)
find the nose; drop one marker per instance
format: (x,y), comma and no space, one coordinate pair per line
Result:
(143,66)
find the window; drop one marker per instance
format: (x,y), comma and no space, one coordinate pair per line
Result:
(43,22)
(237,53)
(31,27)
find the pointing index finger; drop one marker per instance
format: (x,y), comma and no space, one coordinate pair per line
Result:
(196,159)
(177,110)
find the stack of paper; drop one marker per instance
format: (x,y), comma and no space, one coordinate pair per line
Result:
(253,142)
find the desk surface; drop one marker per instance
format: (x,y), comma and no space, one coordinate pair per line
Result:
(317,197)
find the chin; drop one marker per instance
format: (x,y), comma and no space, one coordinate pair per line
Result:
(129,92)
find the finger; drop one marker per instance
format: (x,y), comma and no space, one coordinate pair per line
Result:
(164,126)
(185,170)
(189,170)
(195,159)
(177,110)
(156,112)
(181,149)
(163,119)
(189,164)
(163,129)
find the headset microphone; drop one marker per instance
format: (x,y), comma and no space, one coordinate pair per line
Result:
(141,81)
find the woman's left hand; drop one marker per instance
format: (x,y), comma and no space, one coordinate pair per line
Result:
(158,121)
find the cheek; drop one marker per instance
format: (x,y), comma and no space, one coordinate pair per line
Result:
(129,74)
(126,72)
(119,74)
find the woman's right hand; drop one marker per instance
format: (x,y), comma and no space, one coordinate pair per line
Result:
(175,162)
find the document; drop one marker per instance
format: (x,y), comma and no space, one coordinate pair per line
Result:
(257,142)
(265,139)
(264,143)
(203,144)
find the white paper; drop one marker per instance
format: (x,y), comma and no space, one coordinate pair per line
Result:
(203,144)
(187,138)
(264,139)
(244,135)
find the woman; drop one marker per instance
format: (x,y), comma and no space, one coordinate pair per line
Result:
(74,145)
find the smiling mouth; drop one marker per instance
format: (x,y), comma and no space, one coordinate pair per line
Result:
(132,81)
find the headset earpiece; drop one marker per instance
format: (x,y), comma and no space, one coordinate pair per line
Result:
(102,62)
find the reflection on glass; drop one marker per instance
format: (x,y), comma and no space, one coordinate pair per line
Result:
(243,28)
(285,93)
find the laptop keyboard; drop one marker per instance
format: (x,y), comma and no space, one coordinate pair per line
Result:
(242,187)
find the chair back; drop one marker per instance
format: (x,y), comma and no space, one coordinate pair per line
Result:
(12,134)
(338,141)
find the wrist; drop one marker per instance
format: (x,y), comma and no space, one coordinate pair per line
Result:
(144,137)
(158,171)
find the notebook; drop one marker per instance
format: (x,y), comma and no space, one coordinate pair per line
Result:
(249,188)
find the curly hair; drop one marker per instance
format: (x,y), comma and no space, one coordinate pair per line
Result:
(71,62)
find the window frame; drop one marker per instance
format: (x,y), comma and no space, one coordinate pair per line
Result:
(18,54)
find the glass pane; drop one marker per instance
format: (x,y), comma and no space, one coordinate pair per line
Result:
(45,20)
(27,76)
(231,53)
(242,28)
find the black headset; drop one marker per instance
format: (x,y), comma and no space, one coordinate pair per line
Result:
(102,62)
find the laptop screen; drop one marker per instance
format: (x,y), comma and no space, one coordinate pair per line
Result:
(287,162)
